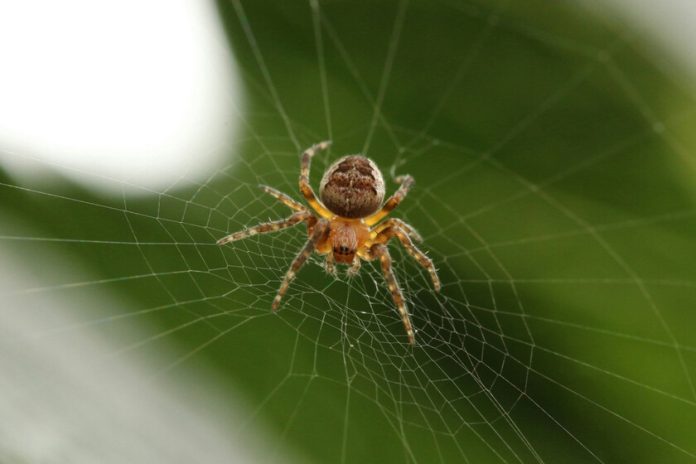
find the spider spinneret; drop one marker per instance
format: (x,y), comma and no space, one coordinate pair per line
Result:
(345,225)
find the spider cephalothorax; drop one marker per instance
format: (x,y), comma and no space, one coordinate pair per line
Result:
(345,225)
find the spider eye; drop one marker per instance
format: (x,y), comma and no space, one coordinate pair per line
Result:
(342,250)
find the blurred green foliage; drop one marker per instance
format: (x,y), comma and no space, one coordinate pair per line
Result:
(559,212)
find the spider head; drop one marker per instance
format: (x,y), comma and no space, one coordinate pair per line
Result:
(352,187)
(343,254)
(346,237)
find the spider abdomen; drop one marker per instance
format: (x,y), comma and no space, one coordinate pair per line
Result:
(352,187)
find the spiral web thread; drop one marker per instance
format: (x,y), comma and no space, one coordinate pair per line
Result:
(491,340)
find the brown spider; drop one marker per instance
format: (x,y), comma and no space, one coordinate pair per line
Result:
(345,227)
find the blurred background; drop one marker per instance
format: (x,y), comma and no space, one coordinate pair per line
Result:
(552,146)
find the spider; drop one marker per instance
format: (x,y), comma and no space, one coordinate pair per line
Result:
(345,225)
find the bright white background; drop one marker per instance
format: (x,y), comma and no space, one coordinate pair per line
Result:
(143,92)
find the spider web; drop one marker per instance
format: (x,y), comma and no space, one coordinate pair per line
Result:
(562,330)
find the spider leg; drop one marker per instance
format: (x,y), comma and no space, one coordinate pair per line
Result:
(330,264)
(406,182)
(267,227)
(305,188)
(283,198)
(412,250)
(318,234)
(354,268)
(396,222)
(380,251)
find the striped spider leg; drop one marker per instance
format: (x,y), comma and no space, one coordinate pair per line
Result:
(395,228)
(305,187)
(319,235)
(381,252)
(406,182)
(378,250)
(267,227)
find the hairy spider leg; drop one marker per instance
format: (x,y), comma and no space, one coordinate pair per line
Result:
(267,227)
(406,182)
(355,267)
(385,235)
(305,188)
(380,251)
(283,198)
(330,264)
(413,233)
(319,233)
